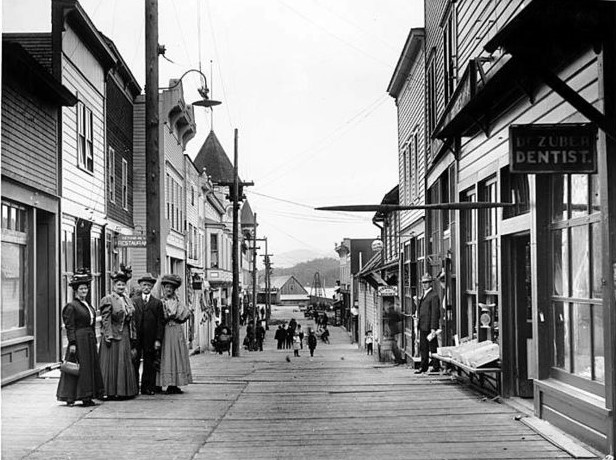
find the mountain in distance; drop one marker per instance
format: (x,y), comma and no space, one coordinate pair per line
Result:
(327,267)
(291,258)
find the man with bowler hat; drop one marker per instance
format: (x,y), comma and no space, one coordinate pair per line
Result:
(428,315)
(150,325)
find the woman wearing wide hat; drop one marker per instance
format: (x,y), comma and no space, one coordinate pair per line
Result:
(174,362)
(117,349)
(79,318)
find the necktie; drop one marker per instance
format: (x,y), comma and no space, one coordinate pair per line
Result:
(146,299)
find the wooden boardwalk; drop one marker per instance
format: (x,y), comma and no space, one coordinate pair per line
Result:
(341,404)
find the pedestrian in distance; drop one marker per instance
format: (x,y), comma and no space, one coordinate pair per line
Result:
(79,318)
(150,325)
(428,316)
(301,336)
(325,334)
(119,341)
(290,333)
(312,342)
(174,361)
(369,342)
(280,336)
(260,336)
(296,344)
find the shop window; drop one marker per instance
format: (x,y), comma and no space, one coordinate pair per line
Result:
(515,189)
(85,131)
(14,266)
(124,184)
(489,238)
(468,310)
(577,310)
(68,262)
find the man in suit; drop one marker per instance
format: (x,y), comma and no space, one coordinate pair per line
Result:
(428,315)
(150,325)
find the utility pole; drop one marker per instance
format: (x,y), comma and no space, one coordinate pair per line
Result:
(268,268)
(254,278)
(235,300)
(152,160)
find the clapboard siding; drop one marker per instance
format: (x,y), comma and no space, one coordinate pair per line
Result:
(29,139)
(76,51)
(478,152)
(139,193)
(79,186)
(411,111)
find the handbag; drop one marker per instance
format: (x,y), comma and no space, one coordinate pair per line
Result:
(69,367)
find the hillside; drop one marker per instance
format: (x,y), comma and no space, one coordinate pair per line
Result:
(328,268)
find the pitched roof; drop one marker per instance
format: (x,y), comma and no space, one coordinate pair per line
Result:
(247,217)
(38,45)
(214,159)
(276,282)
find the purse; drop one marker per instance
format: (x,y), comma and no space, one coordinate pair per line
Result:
(69,367)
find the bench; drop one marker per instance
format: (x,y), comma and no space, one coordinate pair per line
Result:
(485,377)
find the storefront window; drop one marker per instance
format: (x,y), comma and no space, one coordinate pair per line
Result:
(577,318)
(14,270)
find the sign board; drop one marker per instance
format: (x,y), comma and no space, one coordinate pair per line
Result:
(553,148)
(132,241)
(388,291)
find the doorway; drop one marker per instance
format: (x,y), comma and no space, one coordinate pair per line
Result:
(521,318)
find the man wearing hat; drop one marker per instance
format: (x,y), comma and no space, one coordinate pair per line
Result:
(150,327)
(428,315)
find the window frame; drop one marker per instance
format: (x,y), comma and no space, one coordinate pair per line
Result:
(85,138)
(124,184)
(111,191)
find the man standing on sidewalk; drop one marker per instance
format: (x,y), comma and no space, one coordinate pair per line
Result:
(428,315)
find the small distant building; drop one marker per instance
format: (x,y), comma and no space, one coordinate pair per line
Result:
(289,290)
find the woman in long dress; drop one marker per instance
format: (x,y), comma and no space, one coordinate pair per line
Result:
(79,318)
(174,362)
(118,344)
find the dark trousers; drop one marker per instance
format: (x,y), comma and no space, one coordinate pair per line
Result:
(148,377)
(280,344)
(425,348)
(369,348)
(312,352)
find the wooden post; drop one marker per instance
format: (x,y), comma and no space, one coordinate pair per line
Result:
(235,300)
(254,279)
(152,160)
(607,168)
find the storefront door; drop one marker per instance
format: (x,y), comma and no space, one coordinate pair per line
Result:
(521,314)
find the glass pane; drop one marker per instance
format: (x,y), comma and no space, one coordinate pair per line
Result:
(597,257)
(580,327)
(562,352)
(579,195)
(561,262)
(580,276)
(13,218)
(13,276)
(70,253)
(595,194)
(5,216)
(559,198)
(599,352)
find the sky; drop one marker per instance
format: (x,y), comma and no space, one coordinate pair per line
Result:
(303,81)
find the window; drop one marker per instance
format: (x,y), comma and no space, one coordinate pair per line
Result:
(85,130)
(515,188)
(214,251)
(431,88)
(192,195)
(406,189)
(124,184)
(450,50)
(68,262)
(167,198)
(414,166)
(96,290)
(576,308)
(489,238)
(14,266)
(468,308)
(111,174)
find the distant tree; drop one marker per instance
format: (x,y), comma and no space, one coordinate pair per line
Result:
(328,268)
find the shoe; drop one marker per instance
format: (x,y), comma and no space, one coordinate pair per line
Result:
(419,371)
(70,403)
(158,389)
(173,390)
(148,392)
(88,403)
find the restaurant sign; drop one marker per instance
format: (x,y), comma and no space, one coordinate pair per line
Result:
(132,241)
(388,291)
(553,148)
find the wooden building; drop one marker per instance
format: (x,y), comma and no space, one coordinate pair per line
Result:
(32,100)
(536,277)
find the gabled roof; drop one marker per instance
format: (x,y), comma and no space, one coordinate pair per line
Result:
(214,159)
(123,68)
(411,49)
(276,282)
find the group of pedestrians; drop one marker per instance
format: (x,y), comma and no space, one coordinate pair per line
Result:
(291,336)
(132,329)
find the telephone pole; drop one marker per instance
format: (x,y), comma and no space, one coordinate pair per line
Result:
(152,160)
(254,278)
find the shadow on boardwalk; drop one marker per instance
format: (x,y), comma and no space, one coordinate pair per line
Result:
(340,404)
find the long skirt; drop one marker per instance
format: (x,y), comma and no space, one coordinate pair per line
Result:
(174,361)
(117,367)
(89,383)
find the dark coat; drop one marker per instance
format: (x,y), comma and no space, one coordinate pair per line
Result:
(149,321)
(115,316)
(312,341)
(429,312)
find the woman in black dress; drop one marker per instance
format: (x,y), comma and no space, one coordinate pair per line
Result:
(79,318)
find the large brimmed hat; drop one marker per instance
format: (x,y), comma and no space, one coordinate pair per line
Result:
(120,276)
(427,278)
(171,279)
(147,278)
(81,276)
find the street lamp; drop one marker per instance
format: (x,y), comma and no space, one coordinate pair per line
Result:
(203,91)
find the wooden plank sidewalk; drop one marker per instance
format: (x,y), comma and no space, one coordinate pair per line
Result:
(340,404)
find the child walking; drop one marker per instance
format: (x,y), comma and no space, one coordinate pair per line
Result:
(369,341)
